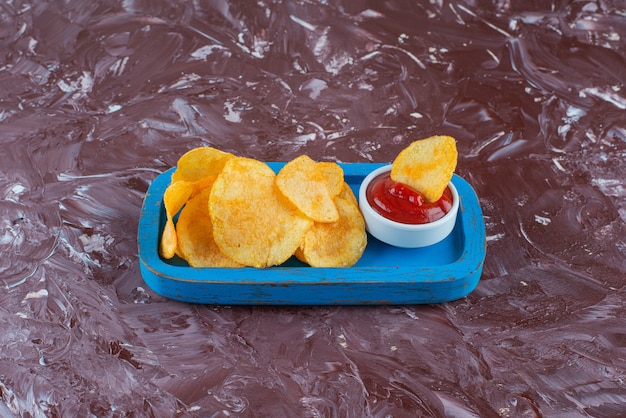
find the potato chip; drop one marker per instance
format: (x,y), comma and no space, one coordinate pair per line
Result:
(333,175)
(174,198)
(348,194)
(195,235)
(201,185)
(427,165)
(340,243)
(199,163)
(253,223)
(306,187)
(181,190)
(176,195)
(169,241)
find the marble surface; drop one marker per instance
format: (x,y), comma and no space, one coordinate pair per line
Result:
(99,97)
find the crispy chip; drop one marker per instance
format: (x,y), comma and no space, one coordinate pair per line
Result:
(336,244)
(174,198)
(253,223)
(348,194)
(195,235)
(201,185)
(306,187)
(333,175)
(427,165)
(199,163)
(176,195)
(169,241)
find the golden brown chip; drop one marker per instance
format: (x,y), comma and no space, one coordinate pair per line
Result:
(169,242)
(333,175)
(348,194)
(427,165)
(199,163)
(253,223)
(201,185)
(195,235)
(174,198)
(336,244)
(306,187)
(176,195)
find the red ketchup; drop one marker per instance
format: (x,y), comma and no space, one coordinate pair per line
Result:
(400,203)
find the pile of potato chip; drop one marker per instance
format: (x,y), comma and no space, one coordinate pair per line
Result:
(235,211)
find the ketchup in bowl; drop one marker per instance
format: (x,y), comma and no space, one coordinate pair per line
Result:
(397,215)
(400,203)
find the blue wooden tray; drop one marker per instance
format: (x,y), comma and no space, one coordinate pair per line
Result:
(442,272)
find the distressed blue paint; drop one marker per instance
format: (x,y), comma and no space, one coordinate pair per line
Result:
(443,272)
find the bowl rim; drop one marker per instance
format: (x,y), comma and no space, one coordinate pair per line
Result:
(365,205)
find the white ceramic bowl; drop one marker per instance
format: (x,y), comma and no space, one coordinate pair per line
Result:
(406,235)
